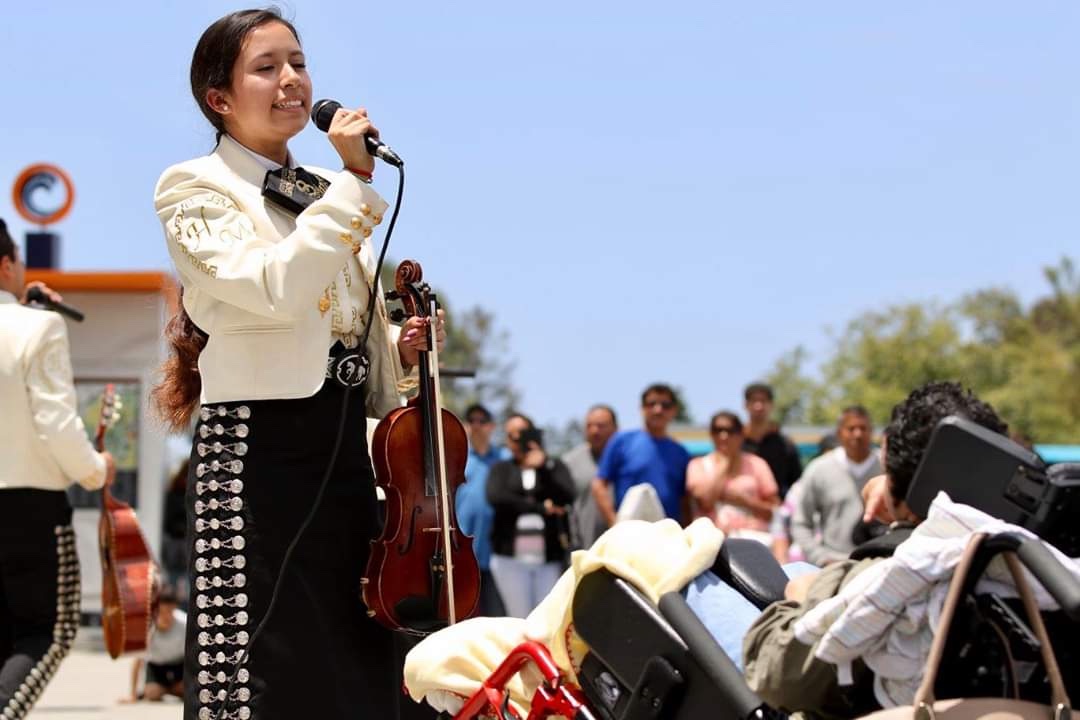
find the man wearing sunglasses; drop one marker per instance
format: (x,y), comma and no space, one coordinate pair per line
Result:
(646,456)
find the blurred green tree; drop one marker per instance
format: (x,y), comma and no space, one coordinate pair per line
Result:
(1026,362)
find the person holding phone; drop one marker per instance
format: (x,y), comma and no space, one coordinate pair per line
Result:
(530,495)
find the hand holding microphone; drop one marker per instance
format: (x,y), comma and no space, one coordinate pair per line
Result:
(38,293)
(348,131)
(352,135)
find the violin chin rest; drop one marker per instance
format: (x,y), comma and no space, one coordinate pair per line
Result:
(418,613)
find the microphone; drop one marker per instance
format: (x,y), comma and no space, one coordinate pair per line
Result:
(323,112)
(36,294)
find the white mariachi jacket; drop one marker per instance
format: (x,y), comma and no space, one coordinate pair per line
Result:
(259,280)
(43,441)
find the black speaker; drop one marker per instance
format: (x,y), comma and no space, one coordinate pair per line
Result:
(42,250)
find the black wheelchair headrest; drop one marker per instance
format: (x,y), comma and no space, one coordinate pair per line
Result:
(749,567)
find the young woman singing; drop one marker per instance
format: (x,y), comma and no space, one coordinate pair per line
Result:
(275,313)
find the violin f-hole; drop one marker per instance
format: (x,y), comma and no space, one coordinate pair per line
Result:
(404,549)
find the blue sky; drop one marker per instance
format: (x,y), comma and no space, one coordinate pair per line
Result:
(663,191)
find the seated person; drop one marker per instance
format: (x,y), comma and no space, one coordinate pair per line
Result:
(165,654)
(789,650)
(800,653)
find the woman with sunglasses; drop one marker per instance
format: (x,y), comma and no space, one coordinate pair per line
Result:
(733,488)
(277,322)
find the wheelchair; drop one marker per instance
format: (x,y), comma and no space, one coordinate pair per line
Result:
(659,662)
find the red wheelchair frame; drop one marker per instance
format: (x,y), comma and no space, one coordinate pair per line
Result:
(554,697)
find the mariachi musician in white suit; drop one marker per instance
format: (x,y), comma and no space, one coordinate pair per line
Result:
(277,286)
(43,450)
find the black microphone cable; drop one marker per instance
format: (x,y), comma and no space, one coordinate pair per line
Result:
(372,300)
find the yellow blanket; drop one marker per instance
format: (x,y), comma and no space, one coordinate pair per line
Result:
(449,666)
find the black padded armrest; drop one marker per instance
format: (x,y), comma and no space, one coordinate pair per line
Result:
(716,666)
(750,568)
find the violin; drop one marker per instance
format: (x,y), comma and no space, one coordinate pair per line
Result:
(421,574)
(129,575)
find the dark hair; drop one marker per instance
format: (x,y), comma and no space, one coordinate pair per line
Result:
(736,423)
(177,395)
(828,442)
(659,388)
(478,408)
(758,387)
(217,51)
(526,418)
(7,245)
(857,410)
(608,409)
(914,419)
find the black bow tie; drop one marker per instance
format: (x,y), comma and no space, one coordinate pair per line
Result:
(293,189)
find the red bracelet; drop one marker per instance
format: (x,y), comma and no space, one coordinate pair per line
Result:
(365,174)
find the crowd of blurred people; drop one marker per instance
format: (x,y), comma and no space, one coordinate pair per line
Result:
(527,510)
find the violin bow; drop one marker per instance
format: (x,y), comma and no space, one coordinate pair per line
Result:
(444,491)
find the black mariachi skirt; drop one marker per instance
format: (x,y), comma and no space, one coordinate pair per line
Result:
(255,471)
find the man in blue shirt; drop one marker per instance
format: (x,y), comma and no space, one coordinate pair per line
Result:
(648,456)
(474,515)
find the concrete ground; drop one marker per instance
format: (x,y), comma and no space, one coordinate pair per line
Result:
(89,686)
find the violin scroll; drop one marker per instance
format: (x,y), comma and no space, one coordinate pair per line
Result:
(413,294)
(408,273)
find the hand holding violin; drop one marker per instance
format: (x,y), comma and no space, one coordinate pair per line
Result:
(414,337)
(421,573)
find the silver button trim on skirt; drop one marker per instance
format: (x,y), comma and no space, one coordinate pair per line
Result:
(219,542)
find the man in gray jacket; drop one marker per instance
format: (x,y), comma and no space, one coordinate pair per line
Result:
(830,505)
(586,522)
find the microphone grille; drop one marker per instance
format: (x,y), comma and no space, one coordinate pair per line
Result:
(322,113)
